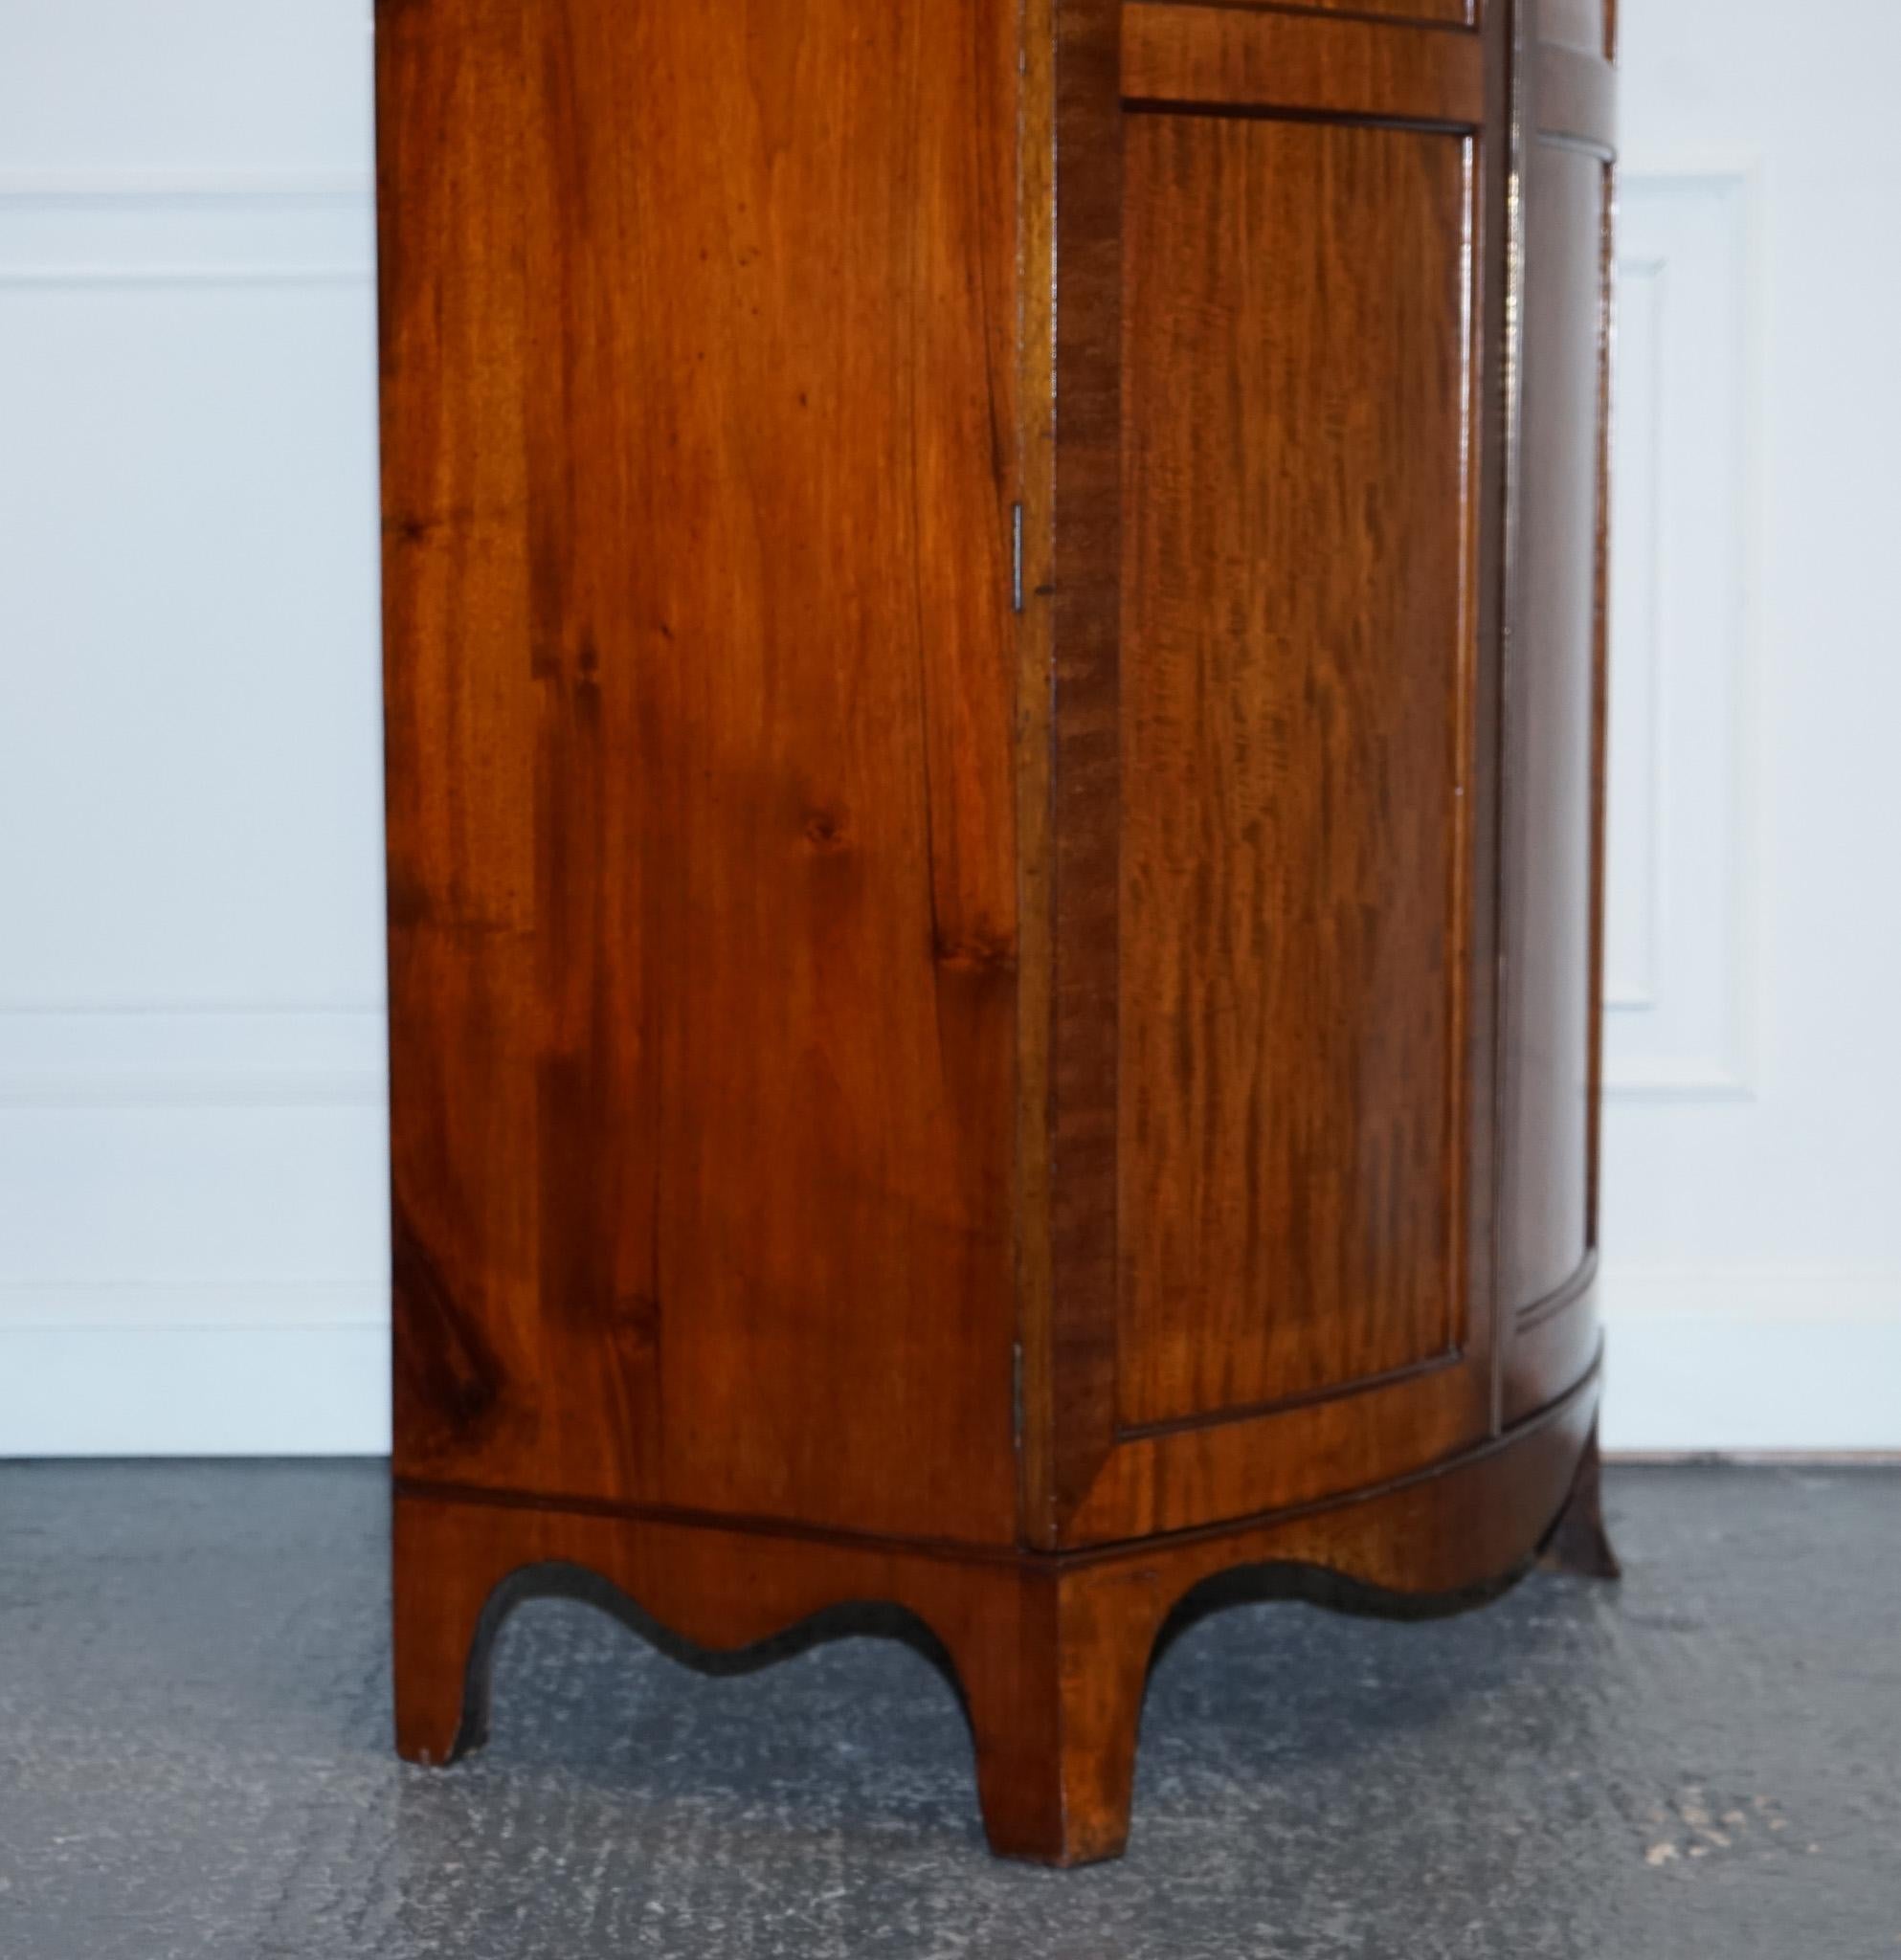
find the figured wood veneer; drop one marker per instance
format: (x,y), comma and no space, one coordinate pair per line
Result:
(1298,650)
(701,827)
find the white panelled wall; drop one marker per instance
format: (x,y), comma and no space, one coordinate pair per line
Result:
(1753,1127)
(193,1236)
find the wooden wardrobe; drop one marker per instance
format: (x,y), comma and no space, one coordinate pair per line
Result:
(994,688)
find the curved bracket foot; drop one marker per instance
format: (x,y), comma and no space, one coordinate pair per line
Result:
(1051,1666)
(1578,1542)
(1053,1676)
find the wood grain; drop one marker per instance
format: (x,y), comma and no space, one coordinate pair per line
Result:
(1297,645)
(1075,1350)
(460,790)
(1035,657)
(1235,57)
(703,1114)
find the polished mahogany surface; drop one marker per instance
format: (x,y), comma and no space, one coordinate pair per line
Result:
(699,429)
(994,623)
(1295,662)
(1276,904)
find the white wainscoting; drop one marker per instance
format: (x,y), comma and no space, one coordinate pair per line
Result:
(1751,1260)
(1678,973)
(1752,1359)
(192,1246)
(1726,1355)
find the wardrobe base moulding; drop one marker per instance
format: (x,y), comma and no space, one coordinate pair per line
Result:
(1051,1652)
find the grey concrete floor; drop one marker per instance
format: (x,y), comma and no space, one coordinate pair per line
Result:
(195,1758)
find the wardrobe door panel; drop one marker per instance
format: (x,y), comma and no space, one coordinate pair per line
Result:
(1274,825)
(700,331)
(1295,672)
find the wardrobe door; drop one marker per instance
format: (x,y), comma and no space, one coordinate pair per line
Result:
(1554,704)
(700,438)
(1273,810)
